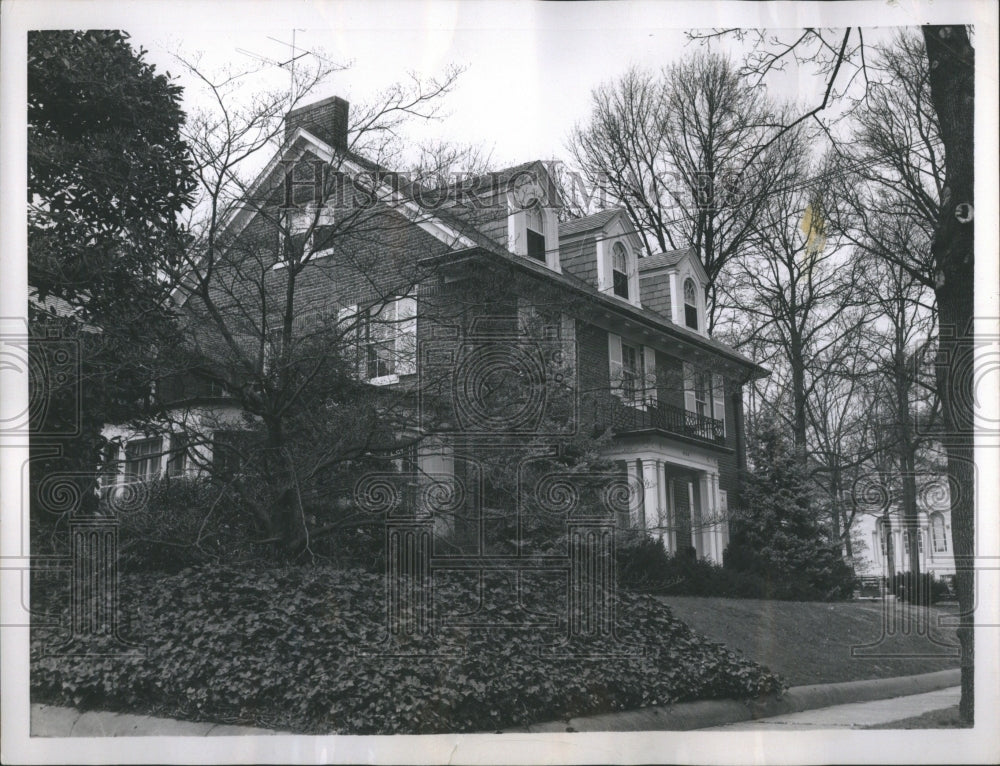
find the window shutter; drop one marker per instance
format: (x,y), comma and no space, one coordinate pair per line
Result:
(349,323)
(615,363)
(406,336)
(689,402)
(605,279)
(719,401)
(569,339)
(649,374)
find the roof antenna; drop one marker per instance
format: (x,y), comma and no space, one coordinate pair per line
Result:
(290,63)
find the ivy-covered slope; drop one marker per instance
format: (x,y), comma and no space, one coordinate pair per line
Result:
(305,649)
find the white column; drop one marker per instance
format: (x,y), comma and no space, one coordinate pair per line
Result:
(661,502)
(651,498)
(671,508)
(696,541)
(716,511)
(634,479)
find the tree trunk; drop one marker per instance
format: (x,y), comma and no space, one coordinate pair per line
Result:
(952,67)
(286,520)
(907,466)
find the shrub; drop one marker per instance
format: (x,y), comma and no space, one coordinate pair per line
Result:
(904,586)
(645,566)
(299,648)
(777,537)
(184,522)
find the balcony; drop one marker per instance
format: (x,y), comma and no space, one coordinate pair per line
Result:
(623,418)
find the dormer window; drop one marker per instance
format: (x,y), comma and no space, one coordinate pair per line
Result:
(535,232)
(532,220)
(690,304)
(619,270)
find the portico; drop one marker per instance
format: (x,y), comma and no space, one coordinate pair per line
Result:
(676,496)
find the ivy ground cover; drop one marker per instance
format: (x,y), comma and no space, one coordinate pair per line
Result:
(308,649)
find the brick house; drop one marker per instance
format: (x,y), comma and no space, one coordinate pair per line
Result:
(471,264)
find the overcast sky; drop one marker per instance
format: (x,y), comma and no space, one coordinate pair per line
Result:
(530,66)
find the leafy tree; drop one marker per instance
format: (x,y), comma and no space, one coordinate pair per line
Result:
(108,176)
(778,537)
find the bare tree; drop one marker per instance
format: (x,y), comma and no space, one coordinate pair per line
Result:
(793,293)
(299,283)
(840,57)
(678,151)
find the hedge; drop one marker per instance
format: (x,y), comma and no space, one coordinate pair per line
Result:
(298,648)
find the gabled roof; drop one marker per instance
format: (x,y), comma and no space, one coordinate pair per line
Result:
(672,259)
(668,259)
(465,240)
(592,222)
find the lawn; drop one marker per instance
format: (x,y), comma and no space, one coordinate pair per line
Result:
(935,719)
(306,649)
(810,642)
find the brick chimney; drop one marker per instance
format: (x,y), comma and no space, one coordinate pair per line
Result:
(326,119)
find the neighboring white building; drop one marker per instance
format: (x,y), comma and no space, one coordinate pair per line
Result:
(934,542)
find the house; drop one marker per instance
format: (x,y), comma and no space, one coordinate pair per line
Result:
(888,541)
(455,273)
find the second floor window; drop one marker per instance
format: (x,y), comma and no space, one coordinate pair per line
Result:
(384,338)
(619,270)
(702,394)
(632,372)
(690,304)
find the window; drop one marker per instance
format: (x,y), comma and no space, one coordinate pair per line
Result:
(305,233)
(632,372)
(702,393)
(177,463)
(142,458)
(619,270)
(385,339)
(690,304)
(938,535)
(536,237)
(705,395)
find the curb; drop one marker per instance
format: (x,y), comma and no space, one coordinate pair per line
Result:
(54,721)
(701,715)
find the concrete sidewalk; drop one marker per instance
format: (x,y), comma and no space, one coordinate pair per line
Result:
(710,713)
(52,721)
(857,715)
(828,705)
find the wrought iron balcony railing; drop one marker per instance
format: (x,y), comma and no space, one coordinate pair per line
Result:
(624,417)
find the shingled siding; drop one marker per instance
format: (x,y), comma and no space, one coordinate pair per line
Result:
(579,258)
(654,293)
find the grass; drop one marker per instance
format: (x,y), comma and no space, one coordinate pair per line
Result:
(810,642)
(934,719)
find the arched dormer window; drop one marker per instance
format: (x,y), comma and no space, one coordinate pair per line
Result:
(619,270)
(535,231)
(690,304)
